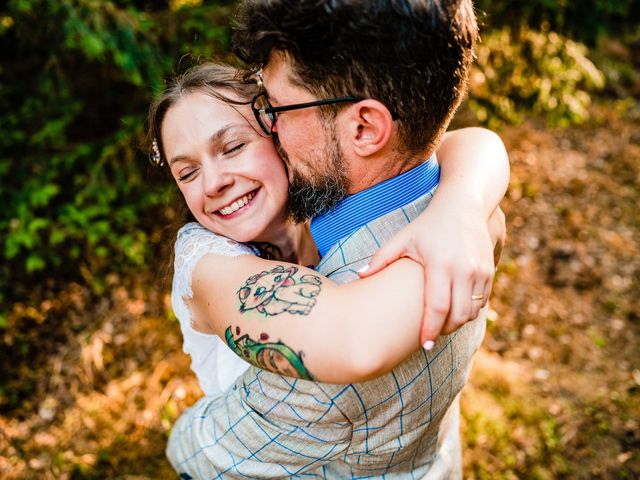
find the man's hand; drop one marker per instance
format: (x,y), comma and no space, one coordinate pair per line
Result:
(459,252)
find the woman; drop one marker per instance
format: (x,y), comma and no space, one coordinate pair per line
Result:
(277,315)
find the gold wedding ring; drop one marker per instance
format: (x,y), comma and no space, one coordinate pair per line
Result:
(477,297)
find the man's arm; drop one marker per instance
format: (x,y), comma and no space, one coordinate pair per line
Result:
(456,236)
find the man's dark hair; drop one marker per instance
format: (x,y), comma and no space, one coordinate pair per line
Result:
(411,55)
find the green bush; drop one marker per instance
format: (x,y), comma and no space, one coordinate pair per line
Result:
(585,20)
(531,73)
(78,197)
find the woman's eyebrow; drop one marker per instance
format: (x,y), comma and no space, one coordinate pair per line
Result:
(177,159)
(221,132)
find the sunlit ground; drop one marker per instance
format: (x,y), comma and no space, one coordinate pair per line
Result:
(554,392)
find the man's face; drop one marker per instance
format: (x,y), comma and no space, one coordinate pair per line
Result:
(309,145)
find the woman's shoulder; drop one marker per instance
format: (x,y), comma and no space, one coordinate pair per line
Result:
(194,239)
(192,244)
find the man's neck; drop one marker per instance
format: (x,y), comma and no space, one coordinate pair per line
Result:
(373,202)
(369,172)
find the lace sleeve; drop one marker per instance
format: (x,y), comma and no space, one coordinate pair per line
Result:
(193,243)
(215,365)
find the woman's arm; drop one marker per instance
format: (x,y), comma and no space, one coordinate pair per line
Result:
(454,239)
(291,320)
(475,169)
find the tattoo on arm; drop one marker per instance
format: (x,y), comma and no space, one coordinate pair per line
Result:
(273,356)
(270,293)
(279,290)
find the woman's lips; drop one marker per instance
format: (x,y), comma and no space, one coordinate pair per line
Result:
(238,206)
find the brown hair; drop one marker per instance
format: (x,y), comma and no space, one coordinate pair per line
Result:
(215,79)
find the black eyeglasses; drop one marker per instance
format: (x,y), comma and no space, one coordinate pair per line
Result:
(266,113)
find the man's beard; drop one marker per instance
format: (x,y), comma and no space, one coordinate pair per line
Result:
(319,190)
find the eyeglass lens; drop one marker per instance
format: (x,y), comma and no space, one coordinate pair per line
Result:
(265,119)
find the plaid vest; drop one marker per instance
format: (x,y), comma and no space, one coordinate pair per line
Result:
(403,424)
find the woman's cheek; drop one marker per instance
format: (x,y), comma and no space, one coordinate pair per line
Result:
(193,199)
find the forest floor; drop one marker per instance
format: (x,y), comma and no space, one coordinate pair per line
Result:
(555,390)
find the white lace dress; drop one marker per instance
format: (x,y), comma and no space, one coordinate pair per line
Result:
(213,362)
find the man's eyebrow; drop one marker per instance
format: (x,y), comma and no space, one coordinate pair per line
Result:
(214,138)
(294,80)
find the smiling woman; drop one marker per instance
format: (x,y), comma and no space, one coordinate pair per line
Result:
(231,177)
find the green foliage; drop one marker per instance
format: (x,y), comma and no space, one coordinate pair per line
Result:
(532,73)
(78,197)
(585,21)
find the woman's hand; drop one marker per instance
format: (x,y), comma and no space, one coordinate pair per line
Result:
(459,252)
(453,240)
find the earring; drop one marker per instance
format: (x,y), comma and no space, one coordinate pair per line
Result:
(155,157)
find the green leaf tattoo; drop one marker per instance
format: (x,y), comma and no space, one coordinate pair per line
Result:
(275,357)
(278,291)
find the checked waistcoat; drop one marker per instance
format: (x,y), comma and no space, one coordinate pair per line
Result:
(403,424)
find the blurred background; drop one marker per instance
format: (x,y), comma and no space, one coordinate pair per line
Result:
(92,374)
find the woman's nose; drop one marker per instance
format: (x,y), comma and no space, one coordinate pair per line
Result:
(216,180)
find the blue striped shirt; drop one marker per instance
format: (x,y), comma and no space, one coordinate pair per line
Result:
(360,208)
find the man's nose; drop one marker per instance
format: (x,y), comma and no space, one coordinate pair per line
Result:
(216,180)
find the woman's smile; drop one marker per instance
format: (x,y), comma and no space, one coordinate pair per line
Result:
(238,206)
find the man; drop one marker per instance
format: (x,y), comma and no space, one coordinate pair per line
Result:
(388,76)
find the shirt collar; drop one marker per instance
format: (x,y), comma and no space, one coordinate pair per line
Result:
(361,208)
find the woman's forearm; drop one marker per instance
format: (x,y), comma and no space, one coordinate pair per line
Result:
(290,320)
(375,321)
(474,170)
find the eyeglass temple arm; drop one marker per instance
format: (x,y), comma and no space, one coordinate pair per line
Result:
(317,103)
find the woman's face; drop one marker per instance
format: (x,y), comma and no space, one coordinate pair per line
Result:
(232,178)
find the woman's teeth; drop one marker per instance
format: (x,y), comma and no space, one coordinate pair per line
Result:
(238,204)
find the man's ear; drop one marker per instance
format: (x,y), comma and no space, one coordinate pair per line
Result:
(370,127)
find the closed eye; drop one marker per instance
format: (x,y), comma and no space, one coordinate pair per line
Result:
(233,148)
(187,176)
